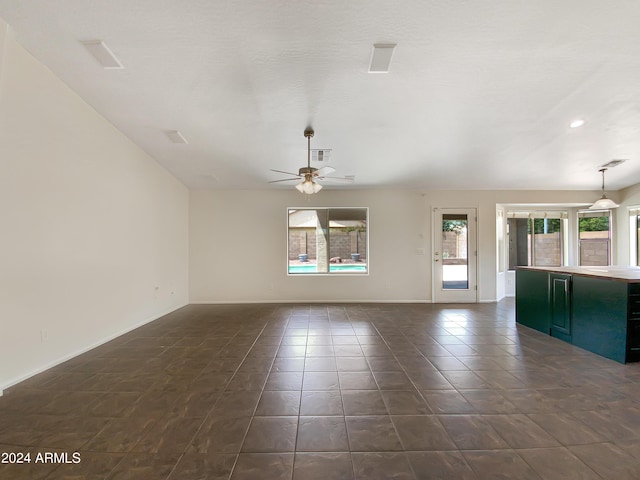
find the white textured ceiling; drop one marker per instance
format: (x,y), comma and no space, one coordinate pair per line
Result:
(479,96)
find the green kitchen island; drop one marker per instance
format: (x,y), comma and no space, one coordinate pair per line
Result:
(595,308)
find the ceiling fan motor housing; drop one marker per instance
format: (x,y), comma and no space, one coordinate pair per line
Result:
(307,170)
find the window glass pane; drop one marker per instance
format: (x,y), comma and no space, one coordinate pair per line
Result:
(455,252)
(518,233)
(594,237)
(547,247)
(327,241)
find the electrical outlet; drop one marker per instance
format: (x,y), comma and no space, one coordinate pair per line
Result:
(44,335)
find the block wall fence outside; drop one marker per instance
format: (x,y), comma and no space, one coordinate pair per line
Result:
(454,245)
(594,249)
(547,248)
(342,244)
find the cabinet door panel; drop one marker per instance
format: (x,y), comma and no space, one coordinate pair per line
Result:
(560,296)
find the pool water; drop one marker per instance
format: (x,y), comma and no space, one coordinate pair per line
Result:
(332,268)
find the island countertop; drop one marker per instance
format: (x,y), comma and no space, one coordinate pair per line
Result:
(618,273)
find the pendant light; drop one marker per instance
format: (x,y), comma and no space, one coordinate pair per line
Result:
(603,203)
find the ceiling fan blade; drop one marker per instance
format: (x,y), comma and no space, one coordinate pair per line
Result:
(286,173)
(285,180)
(338,179)
(324,171)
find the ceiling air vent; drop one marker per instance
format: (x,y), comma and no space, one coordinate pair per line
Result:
(102,54)
(381,57)
(321,155)
(176,137)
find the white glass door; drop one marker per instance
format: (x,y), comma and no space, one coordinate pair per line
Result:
(454,255)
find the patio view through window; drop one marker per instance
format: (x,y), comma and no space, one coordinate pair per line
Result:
(327,241)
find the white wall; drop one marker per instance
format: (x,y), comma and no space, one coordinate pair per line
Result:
(228,265)
(91,225)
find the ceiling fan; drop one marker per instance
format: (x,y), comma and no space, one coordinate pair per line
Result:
(310,174)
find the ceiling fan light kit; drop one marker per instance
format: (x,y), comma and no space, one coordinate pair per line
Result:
(308,186)
(603,203)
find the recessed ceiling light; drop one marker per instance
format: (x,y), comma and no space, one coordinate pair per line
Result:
(576,123)
(102,54)
(381,58)
(176,137)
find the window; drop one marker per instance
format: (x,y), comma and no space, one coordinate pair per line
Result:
(594,237)
(537,238)
(327,241)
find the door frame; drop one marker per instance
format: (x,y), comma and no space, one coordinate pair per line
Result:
(438,294)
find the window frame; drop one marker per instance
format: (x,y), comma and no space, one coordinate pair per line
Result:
(339,273)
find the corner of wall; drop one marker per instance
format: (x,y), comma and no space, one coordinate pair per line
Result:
(120,253)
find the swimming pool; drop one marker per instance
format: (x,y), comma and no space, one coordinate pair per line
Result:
(332,268)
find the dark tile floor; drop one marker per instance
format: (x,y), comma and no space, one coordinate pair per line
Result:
(328,392)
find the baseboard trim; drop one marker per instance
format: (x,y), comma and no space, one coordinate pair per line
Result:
(64,358)
(299,301)
(330,301)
